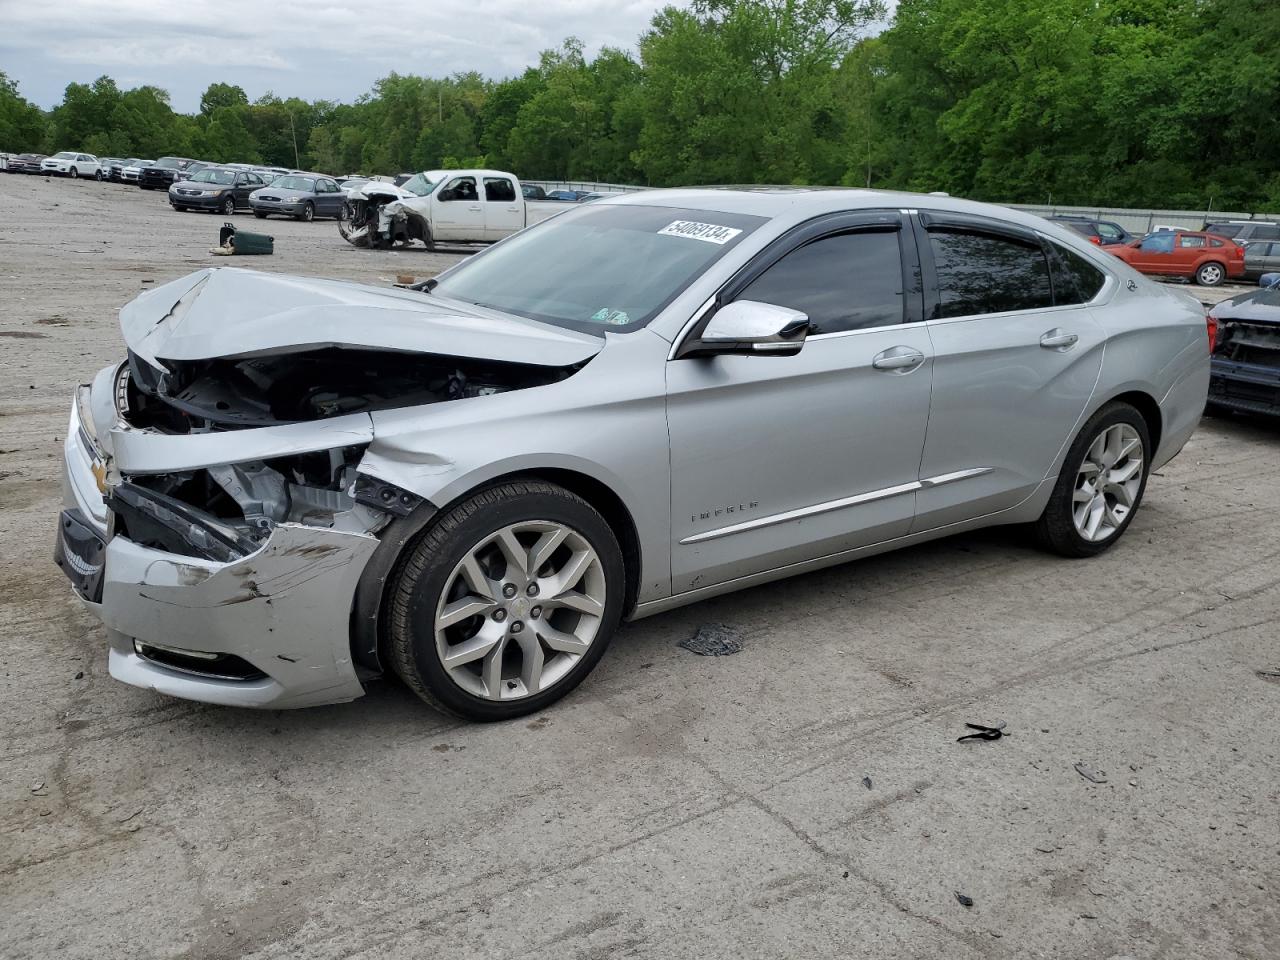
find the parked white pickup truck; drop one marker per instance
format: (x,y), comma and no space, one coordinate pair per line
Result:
(454,206)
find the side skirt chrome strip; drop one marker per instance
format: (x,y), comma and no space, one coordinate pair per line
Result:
(819,508)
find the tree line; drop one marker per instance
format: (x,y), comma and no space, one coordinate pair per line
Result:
(1161,103)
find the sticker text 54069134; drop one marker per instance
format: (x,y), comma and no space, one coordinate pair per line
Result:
(706,232)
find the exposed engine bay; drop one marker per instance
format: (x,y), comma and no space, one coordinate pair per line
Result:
(228,393)
(361,223)
(226,511)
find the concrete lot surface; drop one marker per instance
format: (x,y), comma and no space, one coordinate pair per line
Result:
(804,798)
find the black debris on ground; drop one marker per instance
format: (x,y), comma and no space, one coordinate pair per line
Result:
(866,782)
(714,640)
(964,900)
(983,732)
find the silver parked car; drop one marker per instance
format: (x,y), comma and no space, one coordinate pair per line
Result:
(294,485)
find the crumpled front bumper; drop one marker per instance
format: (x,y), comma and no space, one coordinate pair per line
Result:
(284,610)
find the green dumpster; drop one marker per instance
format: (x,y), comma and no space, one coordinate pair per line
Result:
(244,242)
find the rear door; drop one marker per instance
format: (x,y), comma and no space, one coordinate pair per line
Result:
(328,197)
(459,211)
(1016,357)
(503,208)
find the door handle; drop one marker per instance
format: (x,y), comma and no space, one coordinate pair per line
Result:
(475,209)
(898,359)
(1058,339)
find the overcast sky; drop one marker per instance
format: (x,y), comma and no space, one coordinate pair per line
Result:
(330,49)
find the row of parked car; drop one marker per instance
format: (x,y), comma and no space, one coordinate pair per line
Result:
(1220,250)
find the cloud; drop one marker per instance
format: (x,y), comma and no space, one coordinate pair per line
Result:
(306,48)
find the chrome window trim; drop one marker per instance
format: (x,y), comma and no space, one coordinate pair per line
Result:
(829,505)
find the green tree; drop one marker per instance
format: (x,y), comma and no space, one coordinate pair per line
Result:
(23,126)
(218,95)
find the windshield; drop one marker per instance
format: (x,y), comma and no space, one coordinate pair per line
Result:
(599,267)
(168,163)
(305,184)
(214,176)
(64,155)
(419,184)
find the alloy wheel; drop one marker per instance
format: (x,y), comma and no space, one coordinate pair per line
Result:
(519,610)
(1107,482)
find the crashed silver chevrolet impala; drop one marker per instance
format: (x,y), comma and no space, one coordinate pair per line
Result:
(292,486)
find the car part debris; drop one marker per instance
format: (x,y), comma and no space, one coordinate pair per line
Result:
(866,782)
(713,640)
(232,242)
(965,901)
(1271,676)
(984,733)
(1091,774)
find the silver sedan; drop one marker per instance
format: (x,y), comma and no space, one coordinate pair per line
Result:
(292,486)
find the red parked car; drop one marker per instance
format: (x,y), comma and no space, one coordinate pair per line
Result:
(1205,257)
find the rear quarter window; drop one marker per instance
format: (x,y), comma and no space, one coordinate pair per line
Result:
(1075,279)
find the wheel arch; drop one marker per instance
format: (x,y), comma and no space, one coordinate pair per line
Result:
(1146,405)
(368,624)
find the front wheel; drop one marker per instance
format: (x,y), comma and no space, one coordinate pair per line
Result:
(98,176)
(259,214)
(228,206)
(1101,484)
(1210,274)
(74,173)
(507,602)
(308,212)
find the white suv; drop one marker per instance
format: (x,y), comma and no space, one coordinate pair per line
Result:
(68,163)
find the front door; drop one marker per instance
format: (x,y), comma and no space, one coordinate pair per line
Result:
(1016,357)
(459,212)
(777,460)
(1157,254)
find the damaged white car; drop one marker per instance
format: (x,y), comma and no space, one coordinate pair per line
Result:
(453,206)
(292,486)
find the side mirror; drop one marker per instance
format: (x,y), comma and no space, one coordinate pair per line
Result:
(750,327)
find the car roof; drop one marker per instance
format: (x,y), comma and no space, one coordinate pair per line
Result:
(803,203)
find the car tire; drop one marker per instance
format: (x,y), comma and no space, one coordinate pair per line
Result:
(228,206)
(98,176)
(1081,520)
(308,212)
(73,173)
(259,214)
(1210,274)
(178,208)
(526,647)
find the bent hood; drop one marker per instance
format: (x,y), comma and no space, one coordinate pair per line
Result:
(226,312)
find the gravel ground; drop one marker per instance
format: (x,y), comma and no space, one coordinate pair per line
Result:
(804,797)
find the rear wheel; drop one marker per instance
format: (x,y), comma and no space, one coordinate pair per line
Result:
(1100,486)
(507,602)
(1210,274)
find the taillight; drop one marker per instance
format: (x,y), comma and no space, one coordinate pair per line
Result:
(1211,327)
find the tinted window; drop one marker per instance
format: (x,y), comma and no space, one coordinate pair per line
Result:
(1213,241)
(1224,229)
(1266,231)
(1075,279)
(843,282)
(1158,243)
(980,273)
(499,190)
(1110,231)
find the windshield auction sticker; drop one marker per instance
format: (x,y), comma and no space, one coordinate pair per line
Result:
(706,232)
